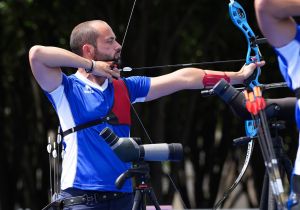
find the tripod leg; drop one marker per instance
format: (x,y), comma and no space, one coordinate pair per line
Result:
(264,193)
(137,200)
(153,199)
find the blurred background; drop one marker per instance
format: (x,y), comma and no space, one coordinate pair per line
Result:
(161,32)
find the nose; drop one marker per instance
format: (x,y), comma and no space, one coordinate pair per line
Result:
(118,47)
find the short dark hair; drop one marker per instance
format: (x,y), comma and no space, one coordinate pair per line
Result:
(83,33)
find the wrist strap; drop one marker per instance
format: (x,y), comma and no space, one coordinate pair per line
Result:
(92,67)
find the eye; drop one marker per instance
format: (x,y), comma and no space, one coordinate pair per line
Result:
(111,40)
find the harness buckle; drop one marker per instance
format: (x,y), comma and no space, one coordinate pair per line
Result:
(91,199)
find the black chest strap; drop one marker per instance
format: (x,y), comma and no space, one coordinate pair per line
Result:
(297,93)
(111,118)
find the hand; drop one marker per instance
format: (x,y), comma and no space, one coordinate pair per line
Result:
(104,69)
(293,201)
(247,70)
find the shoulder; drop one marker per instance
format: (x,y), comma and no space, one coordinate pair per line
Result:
(134,80)
(137,86)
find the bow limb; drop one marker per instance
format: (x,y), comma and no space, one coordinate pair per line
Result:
(240,176)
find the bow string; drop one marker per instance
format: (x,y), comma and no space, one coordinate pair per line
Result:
(136,113)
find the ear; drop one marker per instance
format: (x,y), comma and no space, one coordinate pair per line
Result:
(88,51)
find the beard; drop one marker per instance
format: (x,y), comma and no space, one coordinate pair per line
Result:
(116,59)
(105,57)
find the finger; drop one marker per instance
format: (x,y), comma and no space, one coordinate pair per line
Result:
(104,72)
(260,63)
(112,64)
(115,73)
(110,79)
(115,68)
(250,66)
(110,74)
(105,75)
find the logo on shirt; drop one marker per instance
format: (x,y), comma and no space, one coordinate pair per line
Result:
(88,89)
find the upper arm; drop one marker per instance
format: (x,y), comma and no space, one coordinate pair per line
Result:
(275,20)
(49,78)
(162,86)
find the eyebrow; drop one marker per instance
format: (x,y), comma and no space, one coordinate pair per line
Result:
(110,38)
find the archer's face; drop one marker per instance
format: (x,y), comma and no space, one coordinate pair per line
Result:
(107,49)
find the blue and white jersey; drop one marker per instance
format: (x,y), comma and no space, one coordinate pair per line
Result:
(289,63)
(89,163)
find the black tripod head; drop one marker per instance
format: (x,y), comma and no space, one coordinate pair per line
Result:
(140,170)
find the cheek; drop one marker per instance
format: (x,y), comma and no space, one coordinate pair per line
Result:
(105,50)
(104,54)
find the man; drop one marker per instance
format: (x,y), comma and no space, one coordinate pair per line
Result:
(90,166)
(276,23)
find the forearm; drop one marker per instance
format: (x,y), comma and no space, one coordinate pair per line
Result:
(45,64)
(211,77)
(187,78)
(199,78)
(53,57)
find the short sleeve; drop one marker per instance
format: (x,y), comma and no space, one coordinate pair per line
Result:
(289,61)
(138,87)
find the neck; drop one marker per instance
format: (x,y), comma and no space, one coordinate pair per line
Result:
(95,79)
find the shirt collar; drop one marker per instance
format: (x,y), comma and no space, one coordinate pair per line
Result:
(90,83)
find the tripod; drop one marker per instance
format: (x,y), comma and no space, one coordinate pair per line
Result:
(140,171)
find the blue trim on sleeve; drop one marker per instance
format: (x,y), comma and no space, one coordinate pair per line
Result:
(64,83)
(283,66)
(298,34)
(297,116)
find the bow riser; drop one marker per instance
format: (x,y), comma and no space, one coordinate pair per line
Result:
(239,18)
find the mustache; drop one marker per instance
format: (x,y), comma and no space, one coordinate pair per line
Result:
(118,54)
(116,62)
